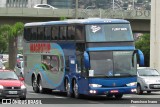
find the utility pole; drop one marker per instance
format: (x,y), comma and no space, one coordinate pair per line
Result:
(76,10)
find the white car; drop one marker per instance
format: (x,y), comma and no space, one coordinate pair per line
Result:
(148,79)
(44,6)
(19,68)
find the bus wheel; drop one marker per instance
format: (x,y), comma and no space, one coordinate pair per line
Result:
(118,96)
(41,89)
(75,90)
(35,85)
(139,90)
(68,90)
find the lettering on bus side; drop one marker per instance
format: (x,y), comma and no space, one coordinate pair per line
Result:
(40,47)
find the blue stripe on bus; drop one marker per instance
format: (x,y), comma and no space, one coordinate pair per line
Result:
(141,56)
(111,48)
(39,68)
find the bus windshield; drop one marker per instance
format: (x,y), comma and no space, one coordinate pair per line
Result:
(116,63)
(108,32)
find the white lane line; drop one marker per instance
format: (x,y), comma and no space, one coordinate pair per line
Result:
(127,96)
(49,96)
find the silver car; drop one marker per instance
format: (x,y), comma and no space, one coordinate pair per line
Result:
(148,79)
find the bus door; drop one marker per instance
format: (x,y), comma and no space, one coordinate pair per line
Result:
(80,69)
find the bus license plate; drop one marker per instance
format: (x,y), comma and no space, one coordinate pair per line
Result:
(12,92)
(156,86)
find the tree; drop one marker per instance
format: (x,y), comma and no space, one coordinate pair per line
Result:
(12,32)
(3,44)
(4,30)
(143,43)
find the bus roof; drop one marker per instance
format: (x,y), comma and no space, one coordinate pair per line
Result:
(78,21)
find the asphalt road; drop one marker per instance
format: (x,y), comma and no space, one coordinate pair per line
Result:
(60,98)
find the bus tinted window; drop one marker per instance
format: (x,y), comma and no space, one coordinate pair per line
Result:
(109,32)
(71,33)
(47,35)
(79,32)
(40,35)
(55,33)
(34,33)
(27,34)
(63,33)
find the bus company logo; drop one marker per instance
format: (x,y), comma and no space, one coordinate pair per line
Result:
(40,47)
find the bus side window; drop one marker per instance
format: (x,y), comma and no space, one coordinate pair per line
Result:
(27,34)
(70,33)
(47,34)
(55,33)
(40,35)
(62,35)
(34,33)
(79,32)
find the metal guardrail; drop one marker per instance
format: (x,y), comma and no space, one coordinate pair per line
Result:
(81,13)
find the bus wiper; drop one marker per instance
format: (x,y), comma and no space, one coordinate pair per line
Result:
(104,76)
(154,75)
(127,74)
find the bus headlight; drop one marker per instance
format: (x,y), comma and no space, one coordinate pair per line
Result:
(95,85)
(132,84)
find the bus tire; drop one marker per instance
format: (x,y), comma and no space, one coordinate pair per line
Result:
(75,90)
(118,96)
(68,88)
(41,89)
(35,85)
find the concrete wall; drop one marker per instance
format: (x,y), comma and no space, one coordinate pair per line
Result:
(155,35)
(3,3)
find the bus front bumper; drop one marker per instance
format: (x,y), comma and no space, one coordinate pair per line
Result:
(116,90)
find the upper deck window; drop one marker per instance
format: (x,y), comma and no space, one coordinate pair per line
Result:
(108,32)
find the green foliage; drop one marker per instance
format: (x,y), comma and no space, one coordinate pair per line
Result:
(143,43)
(4,31)
(3,44)
(7,31)
(63,18)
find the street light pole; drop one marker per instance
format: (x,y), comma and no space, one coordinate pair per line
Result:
(113,4)
(76,10)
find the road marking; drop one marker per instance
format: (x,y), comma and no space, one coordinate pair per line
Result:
(127,96)
(60,97)
(32,93)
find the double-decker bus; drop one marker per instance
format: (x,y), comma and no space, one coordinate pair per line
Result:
(81,56)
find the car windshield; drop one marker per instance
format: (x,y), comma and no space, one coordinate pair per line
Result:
(148,72)
(8,75)
(113,63)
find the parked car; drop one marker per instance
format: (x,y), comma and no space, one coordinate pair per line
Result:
(148,79)
(44,6)
(2,65)
(19,57)
(19,68)
(11,86)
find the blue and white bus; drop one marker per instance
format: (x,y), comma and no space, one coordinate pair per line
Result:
(81,56)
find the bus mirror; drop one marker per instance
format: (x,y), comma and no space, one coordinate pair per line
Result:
(141,57)
(86,60)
